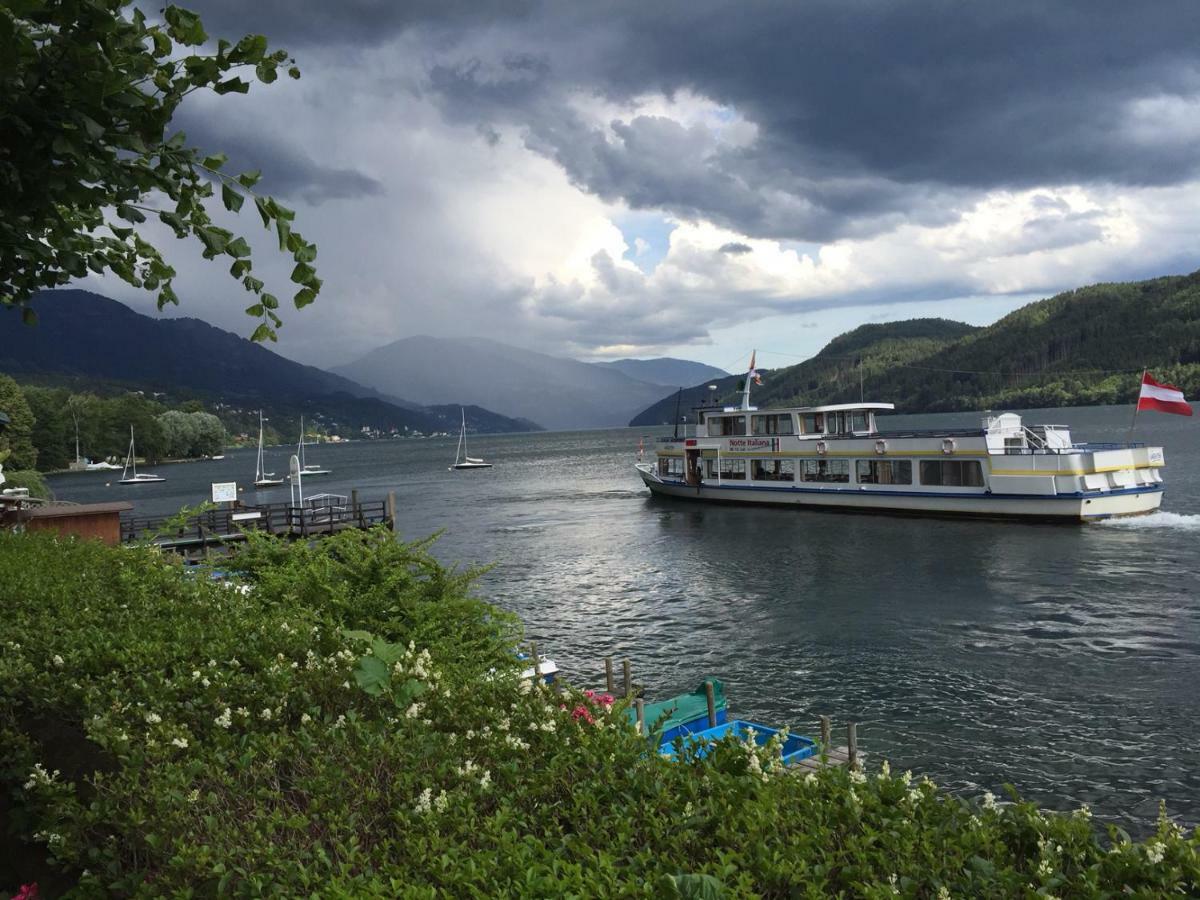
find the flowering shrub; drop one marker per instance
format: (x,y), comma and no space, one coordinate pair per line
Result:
(355,725)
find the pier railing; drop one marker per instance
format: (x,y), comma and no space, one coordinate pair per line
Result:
(322,515)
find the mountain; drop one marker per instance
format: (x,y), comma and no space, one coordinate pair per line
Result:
(85,339)
(1084,346)
(558,393)
(665,370)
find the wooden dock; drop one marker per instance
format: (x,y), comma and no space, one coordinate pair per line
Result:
(215,529)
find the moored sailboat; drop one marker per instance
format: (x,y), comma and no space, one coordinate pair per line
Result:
(307,470)
(263,478)
(131,464)
(462,459)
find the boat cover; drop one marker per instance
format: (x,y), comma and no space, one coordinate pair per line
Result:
(683,710)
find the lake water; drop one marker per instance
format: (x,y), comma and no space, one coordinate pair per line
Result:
(1064,659)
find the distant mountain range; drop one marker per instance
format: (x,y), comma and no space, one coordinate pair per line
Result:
(555,392)
(666,371)
(88,340)
(1085,346)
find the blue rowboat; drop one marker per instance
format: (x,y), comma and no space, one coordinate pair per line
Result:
(685,714)
(795,747)
(548,668)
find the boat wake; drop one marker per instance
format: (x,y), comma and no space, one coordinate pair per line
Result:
(1176,521)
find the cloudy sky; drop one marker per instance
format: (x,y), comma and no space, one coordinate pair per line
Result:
(699,178)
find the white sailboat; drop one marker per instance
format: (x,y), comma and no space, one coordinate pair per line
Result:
(462,459)
(263,478)
(131,464)
(310,469)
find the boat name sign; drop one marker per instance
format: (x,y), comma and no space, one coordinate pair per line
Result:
(754,444)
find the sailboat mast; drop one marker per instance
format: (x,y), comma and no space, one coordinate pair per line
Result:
(300,448)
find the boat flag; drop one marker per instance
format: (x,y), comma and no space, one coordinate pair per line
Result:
(753,371)
(1163,397)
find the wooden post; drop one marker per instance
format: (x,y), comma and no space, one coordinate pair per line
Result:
(537,665)
(641,716)
(609,682)
(628,679)
(826,734)
(852,746)
(391,509)
(712,704)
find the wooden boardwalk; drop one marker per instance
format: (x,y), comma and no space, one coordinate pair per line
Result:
(215,529)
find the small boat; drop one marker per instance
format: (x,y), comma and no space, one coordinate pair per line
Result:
(103,466)
(263,478)
(837,457)
(546,667)
(795,747)
(131,465)
(218,456)
(310,469)
(685,714)
(462,460)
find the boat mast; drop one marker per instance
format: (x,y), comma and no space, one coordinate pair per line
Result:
(750,374)
(300,446)
(258,462)
(462,437)
(130,459)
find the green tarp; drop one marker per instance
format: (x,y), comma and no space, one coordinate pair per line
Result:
(684,708)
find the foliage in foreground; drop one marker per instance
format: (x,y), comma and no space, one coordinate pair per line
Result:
(351,723)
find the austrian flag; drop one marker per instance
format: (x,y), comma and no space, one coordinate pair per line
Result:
(1163,397)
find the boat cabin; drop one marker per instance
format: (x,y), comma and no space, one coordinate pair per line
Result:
(804,422)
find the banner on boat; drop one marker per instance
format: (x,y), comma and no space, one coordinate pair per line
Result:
(771,444)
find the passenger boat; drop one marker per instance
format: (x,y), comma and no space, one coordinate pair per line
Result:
(837,457)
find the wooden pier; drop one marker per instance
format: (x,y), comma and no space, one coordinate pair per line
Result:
(215,529)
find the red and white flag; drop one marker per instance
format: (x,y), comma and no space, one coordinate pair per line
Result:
(1163,397)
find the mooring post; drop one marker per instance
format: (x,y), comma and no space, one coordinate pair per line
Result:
(852,746)
(391,509)
(355,511)
(710,696)
(628,679)
(641,715)
(609,683)
(826,734)
(537,666)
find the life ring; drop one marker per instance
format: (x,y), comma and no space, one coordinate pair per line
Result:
(822,448)
(881,447)
(948,446)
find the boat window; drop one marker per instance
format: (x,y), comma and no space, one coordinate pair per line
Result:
(837,470)
(671,466)
(774,470)
(733,469)
(727,425)
(772,424)
(951,473)
(860,421)
(814,423)
(884,471)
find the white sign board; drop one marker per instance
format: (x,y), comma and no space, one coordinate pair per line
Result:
(224,491)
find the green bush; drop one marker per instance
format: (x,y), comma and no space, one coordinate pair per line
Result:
(346,720)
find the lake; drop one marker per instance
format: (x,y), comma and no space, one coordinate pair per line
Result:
(1064,659)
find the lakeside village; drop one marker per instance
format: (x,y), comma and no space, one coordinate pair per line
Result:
(310,705)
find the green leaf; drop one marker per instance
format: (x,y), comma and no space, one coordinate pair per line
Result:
(266,73)
(215,239)
(255,310)
(93,128)
(249,49)
(232,199)
(306,253)
(269,301)
(215,161)
(303,297)
(371,674)
(293,72)
(249,179)
(238,247)
(252,284)
(262,333)
(284,230)
(130,214)
(231,85)
(302,273)
(239,268)
(264,210)
(184,26)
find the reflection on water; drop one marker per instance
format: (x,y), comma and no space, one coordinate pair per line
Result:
(1060,658)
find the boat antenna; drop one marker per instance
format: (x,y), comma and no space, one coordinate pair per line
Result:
(678,399)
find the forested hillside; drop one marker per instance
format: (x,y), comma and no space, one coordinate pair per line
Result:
(1081,347)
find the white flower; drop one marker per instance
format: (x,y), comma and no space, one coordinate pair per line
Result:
(58,661)
(906,778)
(485,780)
(893,880)
(195,674)
(943,893)
(688,809)
(305,719)
(1083,812)
(424,804)
(857,777)
(441,802)
(341,720)
(885,770)
(989,800)
(265,715)
(225,719)
(40,775)
(346,685)
(1045,868)
(810,778)
(413,711)
(1155,850)
(179,742)
(194,796)
(243,712)
(549,725)
(205,682)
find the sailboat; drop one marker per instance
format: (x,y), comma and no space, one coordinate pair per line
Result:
(307,471)
(463,460)
(131,464)
(263,478)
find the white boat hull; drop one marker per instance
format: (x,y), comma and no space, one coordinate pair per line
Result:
(471,465)
(142,479)
(1065,507)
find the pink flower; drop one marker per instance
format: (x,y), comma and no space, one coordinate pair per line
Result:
(27,892)
(582,712)
(589,694)
(606,699)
